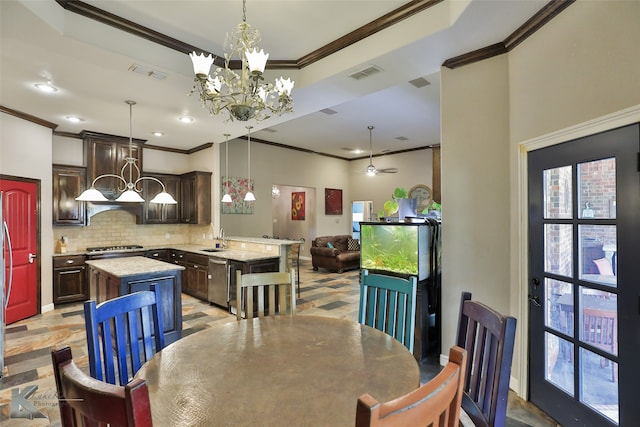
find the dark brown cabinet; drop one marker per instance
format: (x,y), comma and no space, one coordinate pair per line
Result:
(68,183)
(195,198)
(69,279)
(159,254)
(107,155)
(153,213)
(196,276)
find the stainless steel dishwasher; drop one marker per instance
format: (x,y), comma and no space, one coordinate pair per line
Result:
(218,292)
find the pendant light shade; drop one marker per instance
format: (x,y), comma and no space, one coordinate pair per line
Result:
(249,197)
(227,197)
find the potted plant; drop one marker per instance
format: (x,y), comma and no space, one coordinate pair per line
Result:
(399,203)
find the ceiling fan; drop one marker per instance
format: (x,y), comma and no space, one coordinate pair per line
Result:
(371,169)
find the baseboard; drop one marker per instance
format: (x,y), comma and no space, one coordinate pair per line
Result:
(48,307)
(444,360)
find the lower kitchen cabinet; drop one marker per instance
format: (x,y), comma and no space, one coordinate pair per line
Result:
(196,275)
(69,279)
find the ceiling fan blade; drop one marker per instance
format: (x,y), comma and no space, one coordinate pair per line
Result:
(387,170)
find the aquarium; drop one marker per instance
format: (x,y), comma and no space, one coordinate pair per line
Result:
(398,248)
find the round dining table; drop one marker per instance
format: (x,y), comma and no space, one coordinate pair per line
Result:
(276,371)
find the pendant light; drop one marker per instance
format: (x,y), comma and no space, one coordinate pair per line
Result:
(249,197)
(371,170)
(227,197)
(130,190)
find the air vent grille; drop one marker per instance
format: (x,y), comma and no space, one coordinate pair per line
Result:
(366,72)
(328,111)
(420,82)
(402,138)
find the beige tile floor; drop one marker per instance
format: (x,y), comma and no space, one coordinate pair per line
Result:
(29,342)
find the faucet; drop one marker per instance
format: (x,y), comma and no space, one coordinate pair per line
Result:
(221,235)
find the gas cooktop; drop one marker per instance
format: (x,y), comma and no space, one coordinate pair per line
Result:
(113,248)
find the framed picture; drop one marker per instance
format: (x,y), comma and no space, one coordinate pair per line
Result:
(332,201)
(237,188)
(297,206)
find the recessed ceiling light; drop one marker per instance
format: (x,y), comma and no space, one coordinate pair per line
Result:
(74,119)
(185,119)
(157,133)
(45,87)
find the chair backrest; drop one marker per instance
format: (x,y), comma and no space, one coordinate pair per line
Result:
(127,329)
(436,403)
(388,304)
(488,337)
(254,286)
(85,401)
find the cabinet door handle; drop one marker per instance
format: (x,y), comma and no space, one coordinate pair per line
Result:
(69,261)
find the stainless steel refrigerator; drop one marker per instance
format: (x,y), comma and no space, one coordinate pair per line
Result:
(6,275)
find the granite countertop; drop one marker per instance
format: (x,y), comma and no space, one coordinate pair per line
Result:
(130,266)
(233,254)
(264,240)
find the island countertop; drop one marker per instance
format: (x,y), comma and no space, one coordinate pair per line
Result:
(129,266)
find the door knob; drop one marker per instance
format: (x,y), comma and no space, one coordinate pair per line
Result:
(32,257)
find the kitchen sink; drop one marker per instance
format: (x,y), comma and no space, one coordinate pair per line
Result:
(212,250)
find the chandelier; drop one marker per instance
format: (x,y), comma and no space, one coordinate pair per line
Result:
(242,93)
(130,190)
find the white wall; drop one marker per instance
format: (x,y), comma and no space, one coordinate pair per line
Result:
(580,66)
(475,188)
(25,151)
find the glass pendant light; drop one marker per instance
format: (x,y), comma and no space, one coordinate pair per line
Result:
(227,197)
(249,197)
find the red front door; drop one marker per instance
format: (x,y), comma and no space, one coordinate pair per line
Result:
(19,211)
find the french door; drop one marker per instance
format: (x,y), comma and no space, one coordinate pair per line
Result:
(584,284)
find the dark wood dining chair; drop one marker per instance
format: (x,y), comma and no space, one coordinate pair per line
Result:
(127,330)
(85,401)
(294,261)
(435,403)
(488,337)
(600,328)
(278,288)
(388,304)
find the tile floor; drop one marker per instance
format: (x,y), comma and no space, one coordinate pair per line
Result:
(29,342)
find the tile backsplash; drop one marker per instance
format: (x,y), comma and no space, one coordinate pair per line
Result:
(118,227)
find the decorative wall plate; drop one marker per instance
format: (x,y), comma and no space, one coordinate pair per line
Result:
(423,194)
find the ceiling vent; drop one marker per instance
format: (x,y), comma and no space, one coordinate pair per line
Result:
(270,130)
(366,72)
(147,72)
(402,138)
(328,111)
(420,82)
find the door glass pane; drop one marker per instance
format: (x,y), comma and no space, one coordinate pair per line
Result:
(557,193)
(599,384)
(558,249)
(559,362)
(559,307)
(597,189)
(598,253)
(599,319)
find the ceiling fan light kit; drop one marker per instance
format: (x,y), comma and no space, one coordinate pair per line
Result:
(242,94)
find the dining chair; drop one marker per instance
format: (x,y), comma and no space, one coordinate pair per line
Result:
(488,337)
(127,329)
(252,286)
(435,403)
(388,303)
(85,401)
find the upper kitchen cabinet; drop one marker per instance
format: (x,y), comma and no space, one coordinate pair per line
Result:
(68,183)
(154,213)
(106,154)
(195,198)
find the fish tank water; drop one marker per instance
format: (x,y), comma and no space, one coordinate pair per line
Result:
(399,248)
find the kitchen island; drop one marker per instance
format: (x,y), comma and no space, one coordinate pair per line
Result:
(111,278)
